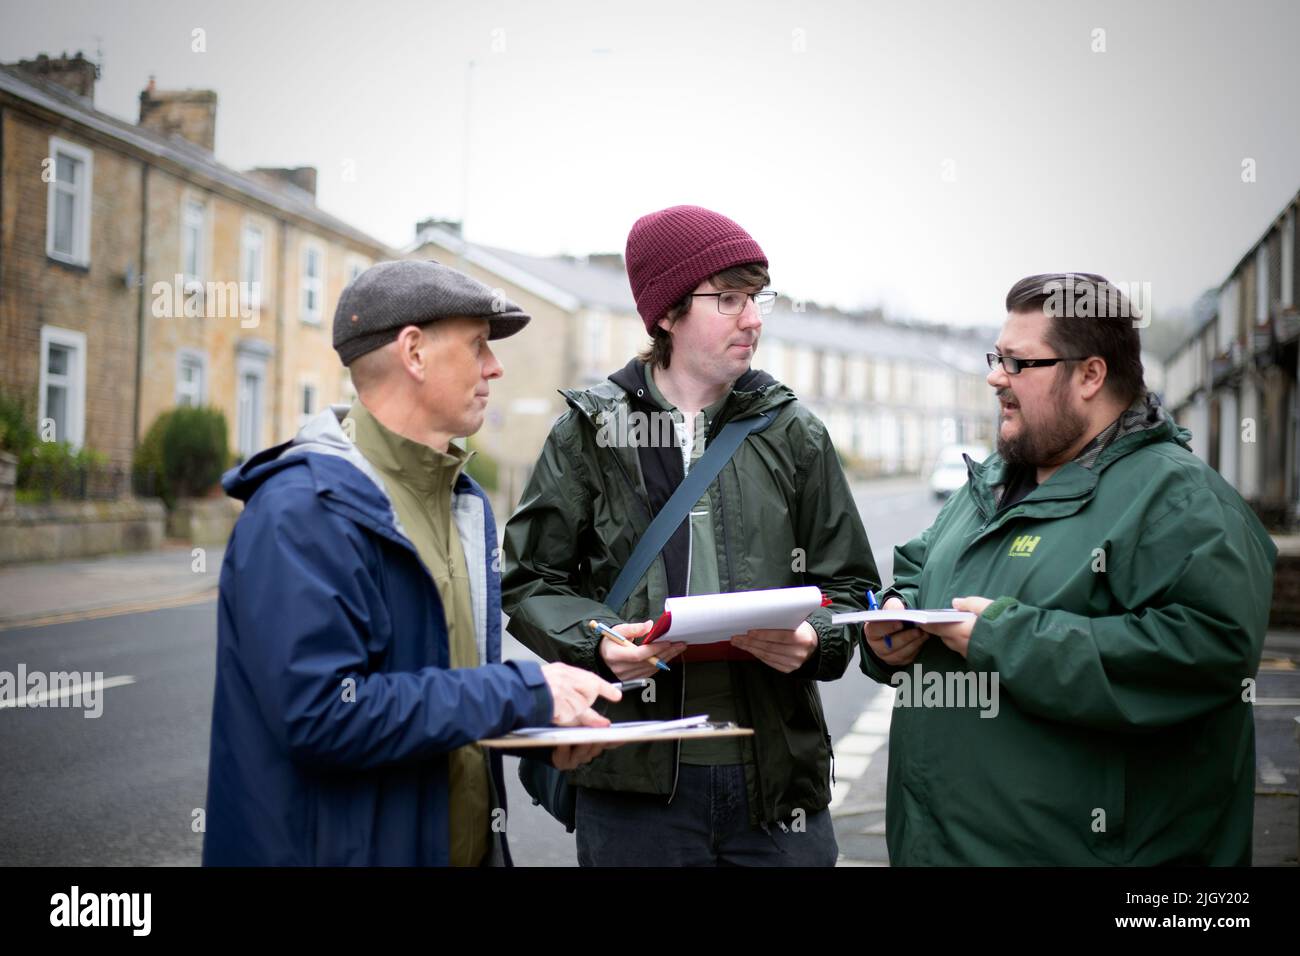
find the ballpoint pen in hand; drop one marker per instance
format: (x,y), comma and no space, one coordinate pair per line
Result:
(613,635)
(872,605)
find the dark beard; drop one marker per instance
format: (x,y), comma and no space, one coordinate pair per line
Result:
(1043,444)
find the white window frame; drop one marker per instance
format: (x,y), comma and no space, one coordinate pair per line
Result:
(881,390)
(82,203)
(595,331)
(904,385)
(832,377)
(201,360)
(248,244)
(189,203)
(308,284)
(75,381)
(1288,260)
(855,374)
(774,358)
(353,267)
(1261,284)
(803,370)
(308,382)
(248,432)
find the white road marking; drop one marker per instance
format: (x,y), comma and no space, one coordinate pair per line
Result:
(853,751)
(850,767)
(883,702)
(839,790)
(861,744)
(38,698)
(872,722)
(1269,774)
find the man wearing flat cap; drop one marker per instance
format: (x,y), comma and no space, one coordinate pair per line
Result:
(359,620)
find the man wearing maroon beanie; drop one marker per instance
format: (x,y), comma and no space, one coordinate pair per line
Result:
(778,515)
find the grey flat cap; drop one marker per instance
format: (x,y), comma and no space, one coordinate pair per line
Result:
(391,295)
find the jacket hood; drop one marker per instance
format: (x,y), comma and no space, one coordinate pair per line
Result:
(323,434)
(754,392)
(343,478)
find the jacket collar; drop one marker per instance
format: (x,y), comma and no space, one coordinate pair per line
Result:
(402,460)
(754,392)
(1144,423)
(344,480)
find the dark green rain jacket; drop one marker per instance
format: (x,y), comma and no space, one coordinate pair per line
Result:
(783,516)
(1130,603)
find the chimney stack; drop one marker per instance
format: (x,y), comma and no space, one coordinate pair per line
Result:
(304,177)
(607,260)
(190,114)
(76,73)
(452,226)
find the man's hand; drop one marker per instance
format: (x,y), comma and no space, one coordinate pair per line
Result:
(957,636)
(571,757)
(630,663)
(574,691)
(905,640)
(785,651)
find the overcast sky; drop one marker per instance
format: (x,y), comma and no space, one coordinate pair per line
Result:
(917,155)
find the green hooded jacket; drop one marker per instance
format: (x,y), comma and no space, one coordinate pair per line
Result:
(1131,595)
(783,516)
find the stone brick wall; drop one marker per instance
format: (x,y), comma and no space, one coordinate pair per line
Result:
(96,300)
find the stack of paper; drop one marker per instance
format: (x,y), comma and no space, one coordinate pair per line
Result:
(712,618)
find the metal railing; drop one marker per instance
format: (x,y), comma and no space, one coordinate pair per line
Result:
(45,482)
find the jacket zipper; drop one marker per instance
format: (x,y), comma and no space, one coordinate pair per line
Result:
(677,744)
(681,702)
(744,689)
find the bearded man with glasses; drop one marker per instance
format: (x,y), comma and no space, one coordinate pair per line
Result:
(1120,591)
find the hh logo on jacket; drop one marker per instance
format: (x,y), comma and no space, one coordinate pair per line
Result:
(1024,545)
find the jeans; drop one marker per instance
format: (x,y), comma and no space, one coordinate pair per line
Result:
(707,824)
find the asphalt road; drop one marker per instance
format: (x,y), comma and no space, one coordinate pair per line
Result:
(124,788)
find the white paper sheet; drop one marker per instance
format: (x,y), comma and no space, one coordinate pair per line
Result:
(615,731)
(907,616)
(712,618)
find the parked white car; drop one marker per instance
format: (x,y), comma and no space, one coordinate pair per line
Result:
(950,469)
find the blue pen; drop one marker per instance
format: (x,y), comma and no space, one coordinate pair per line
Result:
(872,605)
(620,639)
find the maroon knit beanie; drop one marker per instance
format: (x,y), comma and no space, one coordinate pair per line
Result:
(671,251)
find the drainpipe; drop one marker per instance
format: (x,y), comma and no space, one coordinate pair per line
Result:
(141,305)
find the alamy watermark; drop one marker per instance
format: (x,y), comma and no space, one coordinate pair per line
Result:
(193,299)
(25,688)
(976,689)
(75,908)
(1082,298)
(621,428)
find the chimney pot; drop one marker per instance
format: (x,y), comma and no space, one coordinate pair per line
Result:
(190,114)
(304,177)
(75,74)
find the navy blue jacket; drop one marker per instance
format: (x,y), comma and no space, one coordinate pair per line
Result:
(335,706)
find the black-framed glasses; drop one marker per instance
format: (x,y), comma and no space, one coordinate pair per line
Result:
(733,302)
(1012,365)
